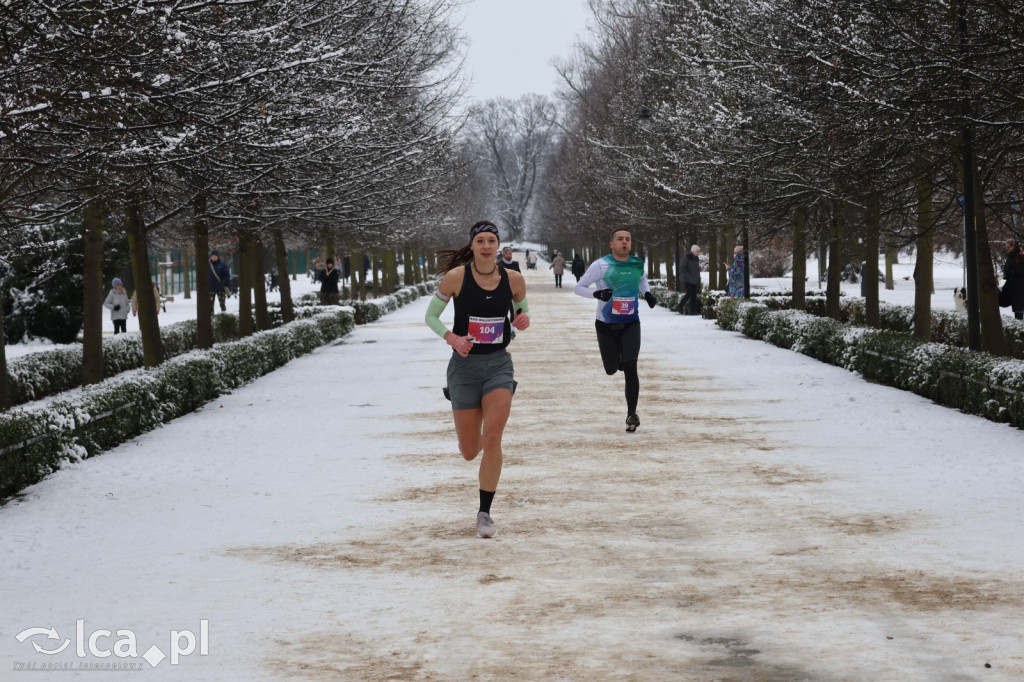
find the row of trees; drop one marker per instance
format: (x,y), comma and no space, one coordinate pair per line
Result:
(264,122)
(848,125)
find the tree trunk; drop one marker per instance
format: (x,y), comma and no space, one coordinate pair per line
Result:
(407,277)
(992,338)
(92,325)
(186,272)
(890,258)
(872,228)
(385,273)
(714,267)
(835,261)
(245,321)
(5,388)
(330,251)
(201,238)
(259,282)
(925,251)
(149,325)
(670,275)
(800,258)
(728,244)
(376,275)
(281,255)
(358,292)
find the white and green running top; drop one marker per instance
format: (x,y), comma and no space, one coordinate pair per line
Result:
(627,281)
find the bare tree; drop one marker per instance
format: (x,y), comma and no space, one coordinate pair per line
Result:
(514,139)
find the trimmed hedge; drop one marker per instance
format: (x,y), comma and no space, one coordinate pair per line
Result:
(947,326)
(709,298)
(34,441)
(49,372)
(54,371)
(971,381)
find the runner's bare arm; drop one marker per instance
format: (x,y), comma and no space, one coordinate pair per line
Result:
(450,285)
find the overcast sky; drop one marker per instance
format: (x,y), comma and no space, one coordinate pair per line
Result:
(512,44)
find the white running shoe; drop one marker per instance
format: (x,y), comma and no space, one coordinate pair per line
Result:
(484,525)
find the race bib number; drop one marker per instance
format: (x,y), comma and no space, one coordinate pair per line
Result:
(487,329)
(624,305)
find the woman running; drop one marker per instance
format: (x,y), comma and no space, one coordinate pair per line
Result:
(480,383)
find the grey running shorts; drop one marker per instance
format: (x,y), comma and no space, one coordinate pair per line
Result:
(472,377)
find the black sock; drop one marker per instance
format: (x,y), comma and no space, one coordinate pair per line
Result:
(485,500)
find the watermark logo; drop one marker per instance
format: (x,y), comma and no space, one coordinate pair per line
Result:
(100,644)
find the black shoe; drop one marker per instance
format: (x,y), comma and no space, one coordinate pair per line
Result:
(632,421)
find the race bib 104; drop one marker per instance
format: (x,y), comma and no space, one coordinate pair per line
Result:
(487,329)
(624,305)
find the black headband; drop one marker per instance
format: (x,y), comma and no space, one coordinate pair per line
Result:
(482,227)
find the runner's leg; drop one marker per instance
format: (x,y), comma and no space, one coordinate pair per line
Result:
(611,351)
(467,428)
(496,407)
(630,353)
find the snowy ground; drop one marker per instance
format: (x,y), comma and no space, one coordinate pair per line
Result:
(774,518)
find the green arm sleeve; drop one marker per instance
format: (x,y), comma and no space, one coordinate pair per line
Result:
(522,306)
(433,316)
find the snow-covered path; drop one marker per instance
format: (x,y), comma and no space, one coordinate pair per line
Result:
(773,518)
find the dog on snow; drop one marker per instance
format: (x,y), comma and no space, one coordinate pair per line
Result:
(960,299)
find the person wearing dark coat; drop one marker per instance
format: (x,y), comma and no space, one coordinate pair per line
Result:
(578,266)
(220,276)
(506,260)
(1013,273)
(328,278)
(689,273)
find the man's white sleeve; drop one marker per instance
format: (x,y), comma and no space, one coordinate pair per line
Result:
(595,273)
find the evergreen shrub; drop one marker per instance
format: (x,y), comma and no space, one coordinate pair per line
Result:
(971,381)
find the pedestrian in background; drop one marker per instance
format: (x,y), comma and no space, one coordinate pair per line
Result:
(506,260)
(117,303)
(578,266)
(1013,272)
(689,273)
(558,265)
(735,272)
(328,278)
(220,277)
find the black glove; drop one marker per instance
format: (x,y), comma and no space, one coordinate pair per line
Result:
(651,301)
(603,294)
(117,307)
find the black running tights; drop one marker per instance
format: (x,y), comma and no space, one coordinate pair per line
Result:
(620,348)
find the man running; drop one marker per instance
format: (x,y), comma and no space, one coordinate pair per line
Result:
(620,282)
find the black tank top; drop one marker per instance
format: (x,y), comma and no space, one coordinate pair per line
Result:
(483,314)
